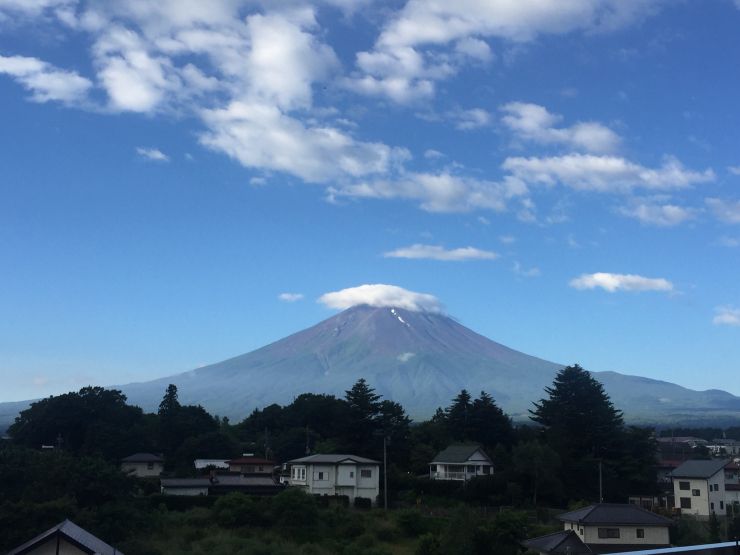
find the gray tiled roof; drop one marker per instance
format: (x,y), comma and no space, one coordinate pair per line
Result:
(333,459)
(73,533)
(625,514)
(143,457)
(458,453)
(564,541)
(699,469)
(220,480)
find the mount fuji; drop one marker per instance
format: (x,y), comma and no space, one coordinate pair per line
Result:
(420,359)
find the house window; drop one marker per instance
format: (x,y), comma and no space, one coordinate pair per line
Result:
(695,492)
(471,468)
(608,533)
(150,465)
(261,468)
(351,473)
(684,485)
(318,475)
(716,487)
(686,502)
(580,531)
(366,473)
(640,532)
(721,505)
(711,507)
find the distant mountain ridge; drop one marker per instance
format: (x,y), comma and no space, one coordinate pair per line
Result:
(419,359)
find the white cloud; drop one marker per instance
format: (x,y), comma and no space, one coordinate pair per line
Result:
(153,154)
(381,295)
(442,192)
(520,270)
(260,135)
(620,282)
(507,239)
(45,81)
(474,118)
(654,213)
(405,357)
(431,154)
(435,252)
(406,59)
(533,122)
(727,211)
(290,297)
(730,242)
(726,316)
(605,174)
(34,8)
(734,170)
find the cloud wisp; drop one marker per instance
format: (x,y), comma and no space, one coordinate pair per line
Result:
(620,282)
(153,154)
(727,211)
(381,295)
(44,81)
(290,297)
(437,252)
(726,316)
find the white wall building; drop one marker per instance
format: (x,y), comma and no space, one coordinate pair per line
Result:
(460,462)
(699,487)
(336,475)
(605,528)
(143,465)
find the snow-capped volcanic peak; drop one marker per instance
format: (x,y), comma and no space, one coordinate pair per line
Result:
(382,295)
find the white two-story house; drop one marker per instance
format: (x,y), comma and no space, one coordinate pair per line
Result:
(605,528)
(348,475)
(143,465)
(460,462)
(699,487)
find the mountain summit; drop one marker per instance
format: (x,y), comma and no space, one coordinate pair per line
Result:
(420,359)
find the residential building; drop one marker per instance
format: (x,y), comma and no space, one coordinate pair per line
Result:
(220,484)
(348,475)
(249,464)
(699,487)
(460,462)
(66,538)
(605,528)
(143,465)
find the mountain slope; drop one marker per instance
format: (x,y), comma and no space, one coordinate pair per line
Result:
(422,360)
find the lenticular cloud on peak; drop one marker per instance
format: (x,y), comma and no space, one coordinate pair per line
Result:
(381,295)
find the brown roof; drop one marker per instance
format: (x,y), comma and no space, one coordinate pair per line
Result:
(250,460)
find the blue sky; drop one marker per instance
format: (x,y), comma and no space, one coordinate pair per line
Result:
(182,181)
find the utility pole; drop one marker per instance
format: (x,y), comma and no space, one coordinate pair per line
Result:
(385,474)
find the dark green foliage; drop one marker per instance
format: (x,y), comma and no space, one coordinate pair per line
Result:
(236,509)
(537,466)
(93,421)
(581,424)
(363,503)
(478,420)
(411,522)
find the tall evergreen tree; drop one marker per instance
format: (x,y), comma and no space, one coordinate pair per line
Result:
(169,404)
(458,416)
(581,424)
(362,418)
(489,425)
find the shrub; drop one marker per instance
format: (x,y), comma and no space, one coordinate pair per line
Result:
(428,545)
(411,522)
(363,503)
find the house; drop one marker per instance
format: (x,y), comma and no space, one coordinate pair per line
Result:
(219,485)
(66,538)
(699,487)
(143,465)
(605,528)
(348,475)
(460,462)
(249,464)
